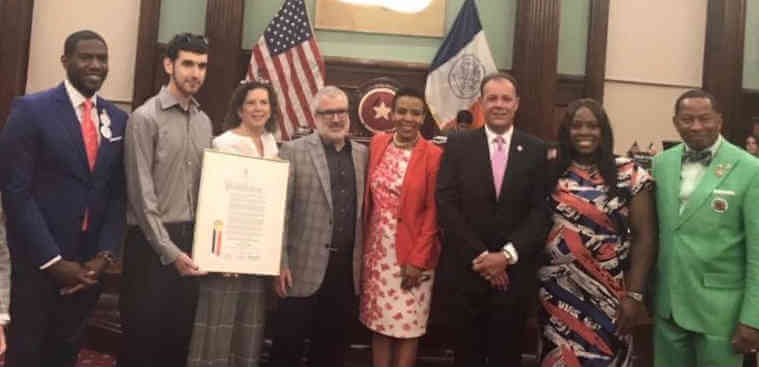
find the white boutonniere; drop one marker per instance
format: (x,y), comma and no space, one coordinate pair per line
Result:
(105,127)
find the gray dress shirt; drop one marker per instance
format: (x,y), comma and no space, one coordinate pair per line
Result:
(163,152)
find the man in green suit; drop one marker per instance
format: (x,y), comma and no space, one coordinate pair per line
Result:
(707,284)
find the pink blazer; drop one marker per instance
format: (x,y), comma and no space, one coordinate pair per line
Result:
(416,239)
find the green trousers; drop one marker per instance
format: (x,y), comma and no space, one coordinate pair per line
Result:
(675,346)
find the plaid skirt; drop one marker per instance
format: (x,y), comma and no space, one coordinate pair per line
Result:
(229,322)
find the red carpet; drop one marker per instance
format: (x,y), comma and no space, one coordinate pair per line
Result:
(88,358)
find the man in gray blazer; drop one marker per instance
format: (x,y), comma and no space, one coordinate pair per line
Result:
(321,261)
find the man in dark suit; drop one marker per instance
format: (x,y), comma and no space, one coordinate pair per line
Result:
(491,206)
(62,177)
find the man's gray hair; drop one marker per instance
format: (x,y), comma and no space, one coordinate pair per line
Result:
(330,91)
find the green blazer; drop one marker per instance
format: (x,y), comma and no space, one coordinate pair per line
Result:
(707,271)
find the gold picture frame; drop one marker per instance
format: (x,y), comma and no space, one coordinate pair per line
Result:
(341,16)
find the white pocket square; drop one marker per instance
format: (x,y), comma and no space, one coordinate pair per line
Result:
(115,139)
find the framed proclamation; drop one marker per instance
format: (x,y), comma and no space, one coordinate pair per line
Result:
(240,216)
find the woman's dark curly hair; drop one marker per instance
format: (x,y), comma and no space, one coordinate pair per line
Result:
(232,119)
(603,157)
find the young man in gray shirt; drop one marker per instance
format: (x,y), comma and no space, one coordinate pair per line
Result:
(165,139)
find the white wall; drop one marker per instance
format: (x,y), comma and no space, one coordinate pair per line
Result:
(655,52)
(116,20)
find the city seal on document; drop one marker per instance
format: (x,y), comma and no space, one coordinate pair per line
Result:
(465,76)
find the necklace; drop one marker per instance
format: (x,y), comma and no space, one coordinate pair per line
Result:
(585,167)
(404,145)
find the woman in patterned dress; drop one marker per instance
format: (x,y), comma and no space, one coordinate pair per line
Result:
(600,248)
(401,248)
(229,321)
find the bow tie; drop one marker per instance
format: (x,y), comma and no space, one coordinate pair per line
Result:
(704,157)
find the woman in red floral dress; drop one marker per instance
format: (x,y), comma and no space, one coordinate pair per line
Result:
(401,248)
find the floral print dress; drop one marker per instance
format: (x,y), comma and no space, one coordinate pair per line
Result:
(385,307)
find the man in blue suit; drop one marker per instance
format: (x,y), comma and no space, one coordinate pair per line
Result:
(62,178)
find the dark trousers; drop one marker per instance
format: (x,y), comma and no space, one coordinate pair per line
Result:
(750,360)
(325,317)
(46,328)
(490,326)
(157,305)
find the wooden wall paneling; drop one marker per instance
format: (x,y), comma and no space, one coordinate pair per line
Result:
(15,33)
(536,49)
(750,107)
(595,65)
(570,88)
(349,74)
(159,78)
(723,62)
(146,68)
(224,20)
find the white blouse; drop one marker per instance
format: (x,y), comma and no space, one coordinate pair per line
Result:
(230,142)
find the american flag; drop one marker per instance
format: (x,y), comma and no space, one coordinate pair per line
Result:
(288,56)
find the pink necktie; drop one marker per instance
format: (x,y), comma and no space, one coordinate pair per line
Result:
(90,136)
(498,161)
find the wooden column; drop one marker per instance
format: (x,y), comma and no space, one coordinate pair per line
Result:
(595,64)
(224,20)
(536,48)
(15,33)
(147,60)
(723,62)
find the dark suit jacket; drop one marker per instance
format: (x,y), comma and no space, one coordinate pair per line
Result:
(416,237)
(47,183)
(471,218)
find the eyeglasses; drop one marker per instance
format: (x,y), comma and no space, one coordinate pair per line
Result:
(332,113)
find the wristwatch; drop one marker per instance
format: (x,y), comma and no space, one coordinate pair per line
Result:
(635,296)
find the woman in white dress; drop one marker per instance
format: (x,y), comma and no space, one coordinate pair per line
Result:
(231,312)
